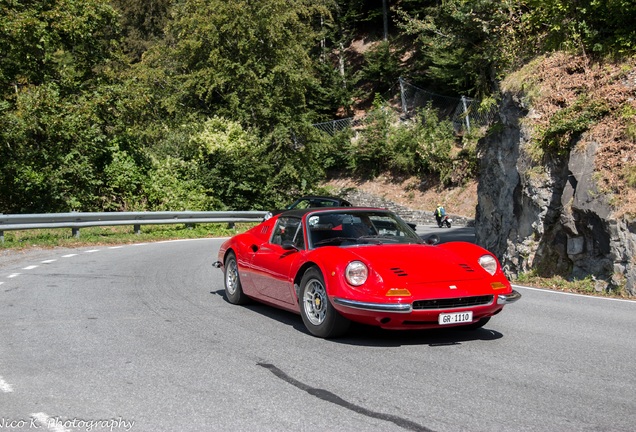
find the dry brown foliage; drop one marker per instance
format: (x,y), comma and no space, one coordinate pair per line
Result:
(561,79)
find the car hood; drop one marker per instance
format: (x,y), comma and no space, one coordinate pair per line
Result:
(419,264)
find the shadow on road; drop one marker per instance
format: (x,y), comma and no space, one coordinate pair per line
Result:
(363,335)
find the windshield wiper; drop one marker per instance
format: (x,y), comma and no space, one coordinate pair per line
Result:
(383,238)
(335,240)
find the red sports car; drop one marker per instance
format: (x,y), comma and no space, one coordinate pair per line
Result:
(337,265)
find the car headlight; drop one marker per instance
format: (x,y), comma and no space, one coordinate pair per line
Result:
(356,273)
(488,263)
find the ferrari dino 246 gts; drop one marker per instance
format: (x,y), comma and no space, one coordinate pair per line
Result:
(337,265)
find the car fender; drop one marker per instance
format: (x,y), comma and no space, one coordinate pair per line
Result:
(332,262)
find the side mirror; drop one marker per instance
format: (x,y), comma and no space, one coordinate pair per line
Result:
(288,245)
(433,239)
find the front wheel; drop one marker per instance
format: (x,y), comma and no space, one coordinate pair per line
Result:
(233,287)
(318,314)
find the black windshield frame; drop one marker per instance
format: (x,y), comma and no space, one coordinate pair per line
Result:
(349,227)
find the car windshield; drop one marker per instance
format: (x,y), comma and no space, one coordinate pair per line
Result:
(358,227)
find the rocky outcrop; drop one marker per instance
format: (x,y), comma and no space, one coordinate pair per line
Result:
(549,216)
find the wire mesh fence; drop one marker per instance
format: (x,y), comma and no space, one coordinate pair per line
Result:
(334,126)
(465,113)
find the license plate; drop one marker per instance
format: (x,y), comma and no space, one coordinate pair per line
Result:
(455,318)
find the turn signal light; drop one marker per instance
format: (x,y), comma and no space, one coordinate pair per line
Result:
(498,285)
(398,292)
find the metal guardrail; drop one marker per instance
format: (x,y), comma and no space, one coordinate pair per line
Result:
(77,220)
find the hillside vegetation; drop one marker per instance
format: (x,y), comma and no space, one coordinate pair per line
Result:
(113,105)
(570,95)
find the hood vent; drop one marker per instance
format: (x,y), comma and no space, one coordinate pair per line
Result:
(399,272)
(468,268)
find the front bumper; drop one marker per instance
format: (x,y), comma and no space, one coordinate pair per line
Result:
(375,307)
(503,299)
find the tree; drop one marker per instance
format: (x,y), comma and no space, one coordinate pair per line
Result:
(142,22)
(243,60)
(463,46)
(588,26)
(54,143)
(62,41)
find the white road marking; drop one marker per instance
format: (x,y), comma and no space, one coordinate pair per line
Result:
(12,275)
(49,422)
(68,256)
(573,294)
(31,267)
(192,239)
(5,387)
(48,261)
(91,251)
(115,247)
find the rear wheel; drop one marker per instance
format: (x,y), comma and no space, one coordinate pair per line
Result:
(233,287)
(319,316)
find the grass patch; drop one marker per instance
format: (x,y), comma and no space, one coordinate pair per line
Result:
(49,238)
(558,283)
(568,123)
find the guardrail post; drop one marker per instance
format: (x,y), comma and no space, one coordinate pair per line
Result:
(190,225)
(230,225)
(75,232)
(137,228)
(2,237)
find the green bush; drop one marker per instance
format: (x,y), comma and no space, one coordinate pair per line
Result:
(175,185)
(568,123)
(123,181)
(436,139)
(371,151)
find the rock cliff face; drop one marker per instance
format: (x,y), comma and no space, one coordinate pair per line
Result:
(550,217)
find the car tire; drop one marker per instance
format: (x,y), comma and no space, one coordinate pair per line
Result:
(477,325)
(233,287)
(318,314)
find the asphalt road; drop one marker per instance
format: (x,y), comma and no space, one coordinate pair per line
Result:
(141,338)
(455,233)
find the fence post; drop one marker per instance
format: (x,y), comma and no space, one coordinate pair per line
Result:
(402,96)
(466,113)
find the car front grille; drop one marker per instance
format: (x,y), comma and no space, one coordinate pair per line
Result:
(453,302)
